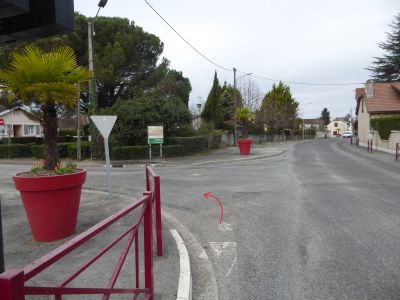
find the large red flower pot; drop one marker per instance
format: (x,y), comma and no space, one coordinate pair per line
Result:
(244,146)
(51,203)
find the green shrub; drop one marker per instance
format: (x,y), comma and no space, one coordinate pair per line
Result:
(37,151)
(85,150)
(15,151)
(310,132)
(130,152)
(25,140)
(65,139)
(384,126)
(68,132)
(193,144)
(142,152)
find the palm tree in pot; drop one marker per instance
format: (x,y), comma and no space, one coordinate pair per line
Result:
(52,79)
(244,117)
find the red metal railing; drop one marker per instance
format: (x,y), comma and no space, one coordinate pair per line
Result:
(369,147)
(397,151)
(13,283)
(153,185)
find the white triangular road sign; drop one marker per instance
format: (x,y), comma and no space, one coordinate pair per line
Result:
(104,124)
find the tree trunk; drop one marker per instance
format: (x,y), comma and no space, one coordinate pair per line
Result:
(50,152)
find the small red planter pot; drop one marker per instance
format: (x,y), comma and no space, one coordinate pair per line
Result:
(244,146)
(51,203)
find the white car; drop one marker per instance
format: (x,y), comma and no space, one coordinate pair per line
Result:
(348,134)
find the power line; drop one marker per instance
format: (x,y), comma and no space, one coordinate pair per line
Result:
(190,45)
(255,75)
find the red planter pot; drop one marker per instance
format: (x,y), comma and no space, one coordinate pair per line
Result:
(244,146)
(51,203)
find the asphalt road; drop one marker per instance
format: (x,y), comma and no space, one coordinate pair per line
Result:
(318,222)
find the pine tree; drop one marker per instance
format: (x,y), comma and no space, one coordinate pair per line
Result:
(212,112)
(387,68)
(325,117)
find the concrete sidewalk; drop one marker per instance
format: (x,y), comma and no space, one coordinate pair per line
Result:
(21,249)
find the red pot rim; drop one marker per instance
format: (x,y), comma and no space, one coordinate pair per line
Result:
(56,182)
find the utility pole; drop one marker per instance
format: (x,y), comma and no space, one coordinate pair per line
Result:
(92,94)
(234,108)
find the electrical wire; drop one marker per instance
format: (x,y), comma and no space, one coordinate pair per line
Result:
(190,45)
(255,75)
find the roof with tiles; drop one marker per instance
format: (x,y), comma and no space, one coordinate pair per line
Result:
(385,98)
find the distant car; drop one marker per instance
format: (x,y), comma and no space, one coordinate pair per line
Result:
(348,134)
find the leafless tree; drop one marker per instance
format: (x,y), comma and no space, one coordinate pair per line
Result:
(250,92)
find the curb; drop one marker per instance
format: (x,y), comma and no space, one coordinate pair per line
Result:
(185,275)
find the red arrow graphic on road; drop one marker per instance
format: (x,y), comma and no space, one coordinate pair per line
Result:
(221,209)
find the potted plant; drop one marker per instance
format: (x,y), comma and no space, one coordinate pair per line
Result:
(50,191)
(244,116)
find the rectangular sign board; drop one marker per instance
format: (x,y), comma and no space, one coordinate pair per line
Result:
(155,135)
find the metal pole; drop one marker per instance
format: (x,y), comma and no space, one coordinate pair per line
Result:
(108,167)
(78,147)
(92,93)
(302,126)
(1,243)
(160,150)
(150,151)
(234,107)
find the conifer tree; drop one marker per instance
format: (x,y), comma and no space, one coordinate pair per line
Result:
(387,67)
(212,112)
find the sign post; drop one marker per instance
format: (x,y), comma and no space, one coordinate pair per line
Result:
(105,124)
(155,135)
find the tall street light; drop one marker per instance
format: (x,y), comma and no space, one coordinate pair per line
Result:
(302,119)
(235,102)
(93,106)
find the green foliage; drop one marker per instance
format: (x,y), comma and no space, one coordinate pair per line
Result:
(384,126)
(310,132)
(130,152)
(135,115)
(193,144)
(68,132)
(387,68)
(66,168)
(85,150)
(24,140)
(51,78)
(325,117)
(279,109)
(15,151)
(213,112)
(228,105)
(244,116)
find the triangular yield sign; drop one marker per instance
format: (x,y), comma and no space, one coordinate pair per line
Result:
(104,124)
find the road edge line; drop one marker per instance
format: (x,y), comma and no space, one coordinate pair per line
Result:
(185,275)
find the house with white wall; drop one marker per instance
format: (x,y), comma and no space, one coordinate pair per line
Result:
(377,100)
(19,122)
(337,127)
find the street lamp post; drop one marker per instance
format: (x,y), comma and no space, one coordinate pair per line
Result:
(92,85)
(235,102)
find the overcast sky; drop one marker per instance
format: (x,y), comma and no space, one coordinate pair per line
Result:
(312,41)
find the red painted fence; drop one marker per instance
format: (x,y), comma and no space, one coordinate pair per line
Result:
(13,283)
(153,185)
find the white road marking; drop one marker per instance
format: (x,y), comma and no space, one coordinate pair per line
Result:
(220,247)
(225,227)
(230,269)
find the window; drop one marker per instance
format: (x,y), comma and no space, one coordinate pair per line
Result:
(29,129)
(336,124)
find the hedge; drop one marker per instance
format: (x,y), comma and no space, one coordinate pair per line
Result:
(141,152)
(69,132)
(85,150)
(24,140)
(15,151)
(64,150)
(193,144)
(384,126)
